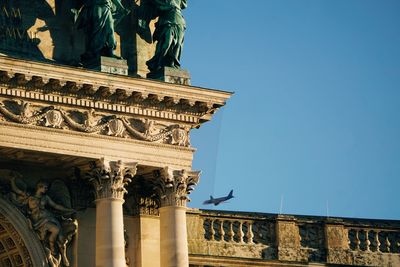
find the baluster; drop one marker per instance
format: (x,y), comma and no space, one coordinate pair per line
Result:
(250,234)
(240,232)
(357,241)
(221,229)
(378,243)
(367,242)
(212,230)
(387,243)
(348,239)
(231,232)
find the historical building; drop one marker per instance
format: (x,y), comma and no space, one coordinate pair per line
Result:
(96,161)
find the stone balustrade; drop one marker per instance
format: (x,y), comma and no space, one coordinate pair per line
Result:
(228,230)
(374,240)
(259,238)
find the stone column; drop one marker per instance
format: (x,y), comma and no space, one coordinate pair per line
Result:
(174,186)
(109,179)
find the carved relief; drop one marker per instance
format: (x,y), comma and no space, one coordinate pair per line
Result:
(93,122)
(110,178)
(53,118)
(55,232)
(174,186)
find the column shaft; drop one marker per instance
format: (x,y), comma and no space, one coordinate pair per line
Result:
(110,245)
(173,236)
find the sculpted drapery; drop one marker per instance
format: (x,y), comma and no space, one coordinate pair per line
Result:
(98,18)
(169,32)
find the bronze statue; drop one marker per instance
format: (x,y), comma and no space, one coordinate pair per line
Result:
(98,19)
(54,232)
(169,32)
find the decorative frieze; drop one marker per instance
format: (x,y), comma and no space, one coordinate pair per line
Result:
(93,122)
(174,186)
(110,178)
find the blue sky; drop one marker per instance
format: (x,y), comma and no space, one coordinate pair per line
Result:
(315,119)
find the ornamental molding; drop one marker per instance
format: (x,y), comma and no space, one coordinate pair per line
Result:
(113,90)
(173,186)
(55,98)
(93,122)
(110,178)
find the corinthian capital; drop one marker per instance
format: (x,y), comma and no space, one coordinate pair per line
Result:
(110,178)
(174,186)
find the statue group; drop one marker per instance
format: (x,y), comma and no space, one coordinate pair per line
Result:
(98,19)
(51,221)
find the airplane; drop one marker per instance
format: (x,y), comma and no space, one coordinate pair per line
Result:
(217,201)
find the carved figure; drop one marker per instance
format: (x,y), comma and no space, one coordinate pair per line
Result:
(54,232)
(98,18)
(169,32)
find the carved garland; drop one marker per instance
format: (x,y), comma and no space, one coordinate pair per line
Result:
(105,125)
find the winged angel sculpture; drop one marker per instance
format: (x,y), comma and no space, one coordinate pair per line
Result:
(169,32)
(50,220)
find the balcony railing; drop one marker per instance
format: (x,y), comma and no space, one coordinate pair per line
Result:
(297,239)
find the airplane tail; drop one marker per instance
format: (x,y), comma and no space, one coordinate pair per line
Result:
(230,194)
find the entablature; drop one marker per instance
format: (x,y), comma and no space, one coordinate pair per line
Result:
(90,102)
(87,88)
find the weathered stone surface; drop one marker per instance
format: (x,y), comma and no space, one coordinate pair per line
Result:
(171,75)
(109,65)
(280,240)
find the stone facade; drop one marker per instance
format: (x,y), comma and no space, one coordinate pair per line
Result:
(96,164)
(116,149)
(108,157)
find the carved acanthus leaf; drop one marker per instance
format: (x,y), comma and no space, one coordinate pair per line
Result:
(110,178)
(174,186)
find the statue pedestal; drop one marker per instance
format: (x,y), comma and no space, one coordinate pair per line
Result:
(171,75)
(108,65)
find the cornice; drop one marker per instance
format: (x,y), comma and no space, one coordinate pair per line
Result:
(109,91)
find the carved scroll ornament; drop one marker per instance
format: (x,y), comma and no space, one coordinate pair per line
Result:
(174,186)
(110,178)
(92,122)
